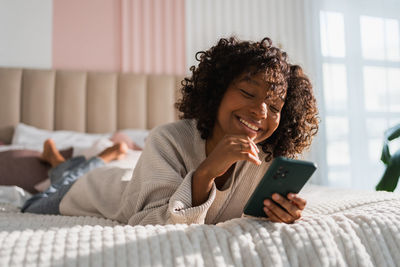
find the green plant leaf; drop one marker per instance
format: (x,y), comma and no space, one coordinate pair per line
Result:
(393,132)
(391,175)
(385,156)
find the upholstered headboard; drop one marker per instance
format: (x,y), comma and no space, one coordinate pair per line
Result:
(94,102)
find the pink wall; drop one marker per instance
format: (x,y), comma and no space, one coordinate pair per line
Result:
(144,36)
(86,34)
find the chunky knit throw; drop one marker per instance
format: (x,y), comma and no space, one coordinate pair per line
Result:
(338,228)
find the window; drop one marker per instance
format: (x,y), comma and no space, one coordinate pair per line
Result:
(360,66)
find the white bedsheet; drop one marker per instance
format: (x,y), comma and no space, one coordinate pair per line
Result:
(339,228)
(13,195)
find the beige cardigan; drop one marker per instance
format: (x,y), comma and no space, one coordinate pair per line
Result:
(159,191)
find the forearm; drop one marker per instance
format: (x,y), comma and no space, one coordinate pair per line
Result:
(202,184)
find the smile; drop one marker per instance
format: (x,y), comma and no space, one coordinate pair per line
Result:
(248,124)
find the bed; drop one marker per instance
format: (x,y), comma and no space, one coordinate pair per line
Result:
(339,227)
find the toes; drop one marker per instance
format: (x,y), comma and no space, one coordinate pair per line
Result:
(49,142)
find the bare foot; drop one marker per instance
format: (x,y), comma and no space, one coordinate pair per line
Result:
(117,151)
(51,154)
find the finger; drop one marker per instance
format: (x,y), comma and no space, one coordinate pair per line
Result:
(271,216)
(279,212)
(300,202)
(250,157)
(248,146)
(253,144)
(290,207)
(275,218)
(246,139)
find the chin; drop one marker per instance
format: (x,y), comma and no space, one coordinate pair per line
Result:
(261,139)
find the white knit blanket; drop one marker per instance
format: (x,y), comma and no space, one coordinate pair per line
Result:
(339,228)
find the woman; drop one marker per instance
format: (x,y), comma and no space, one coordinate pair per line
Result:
(243,105)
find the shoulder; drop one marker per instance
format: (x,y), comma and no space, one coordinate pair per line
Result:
(179,130)
(177,143)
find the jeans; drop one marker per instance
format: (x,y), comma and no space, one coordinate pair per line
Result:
(62,177)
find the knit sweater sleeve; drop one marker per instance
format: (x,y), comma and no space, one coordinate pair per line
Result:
(163,181)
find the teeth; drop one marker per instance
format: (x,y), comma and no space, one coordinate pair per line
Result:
(248,124)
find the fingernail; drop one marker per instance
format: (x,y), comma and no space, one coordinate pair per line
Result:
(267,203)
(275,196)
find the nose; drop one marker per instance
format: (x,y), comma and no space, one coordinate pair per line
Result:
(259,110)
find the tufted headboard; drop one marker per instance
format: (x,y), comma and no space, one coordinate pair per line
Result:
(93,102)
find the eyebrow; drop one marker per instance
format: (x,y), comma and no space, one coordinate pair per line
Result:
(248,79)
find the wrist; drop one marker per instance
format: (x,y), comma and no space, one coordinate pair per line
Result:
(204,175)
(201,187)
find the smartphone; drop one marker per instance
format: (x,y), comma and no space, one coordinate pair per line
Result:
(284,176)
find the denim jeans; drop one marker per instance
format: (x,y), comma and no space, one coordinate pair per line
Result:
(62,177)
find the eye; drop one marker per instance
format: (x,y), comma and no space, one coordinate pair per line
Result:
(246,94)
(274,109)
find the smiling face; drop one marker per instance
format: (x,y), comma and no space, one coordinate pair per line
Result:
(249,107)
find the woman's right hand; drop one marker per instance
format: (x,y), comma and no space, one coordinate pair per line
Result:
(229,150)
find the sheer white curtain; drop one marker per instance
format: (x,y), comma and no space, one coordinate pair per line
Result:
(281,20)
(356,71)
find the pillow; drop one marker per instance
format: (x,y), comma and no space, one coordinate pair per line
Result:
(93,150)
(23,168)
(120,136)
(33,138)
(138,136)
(104,143)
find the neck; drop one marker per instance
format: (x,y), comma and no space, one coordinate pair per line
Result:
(213,140)
(210,145)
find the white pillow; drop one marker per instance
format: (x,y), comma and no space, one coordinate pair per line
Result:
(137,135)
(98,146)
(33,138)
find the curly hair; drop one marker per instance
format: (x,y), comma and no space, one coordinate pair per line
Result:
(220,65)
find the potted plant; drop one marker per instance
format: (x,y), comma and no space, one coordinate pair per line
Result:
(391,175)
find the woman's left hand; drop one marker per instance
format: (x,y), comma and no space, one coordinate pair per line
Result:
(293,205)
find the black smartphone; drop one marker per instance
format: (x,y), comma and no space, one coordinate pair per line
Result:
(284,176)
